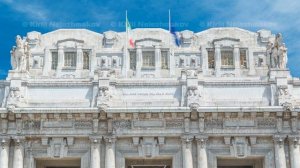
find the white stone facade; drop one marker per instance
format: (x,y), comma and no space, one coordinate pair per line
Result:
(77,98)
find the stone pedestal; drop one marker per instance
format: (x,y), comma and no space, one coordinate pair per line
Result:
(279,73)
(12,74)
(4,153)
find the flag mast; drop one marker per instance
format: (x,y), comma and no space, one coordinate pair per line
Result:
(125,59)
(169,20)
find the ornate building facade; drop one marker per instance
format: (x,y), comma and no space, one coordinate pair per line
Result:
(79,99)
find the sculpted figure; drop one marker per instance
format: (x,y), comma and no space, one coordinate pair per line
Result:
(20,55)
(278,53)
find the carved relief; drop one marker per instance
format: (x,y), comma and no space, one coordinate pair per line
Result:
(193,96)
(174,124)
(14,98)
(240,148)
(83,124)
(213,123)
(266,122)
(31,125)
(121,124)
(103,98)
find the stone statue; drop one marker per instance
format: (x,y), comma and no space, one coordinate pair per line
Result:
(277,52)
(20,55)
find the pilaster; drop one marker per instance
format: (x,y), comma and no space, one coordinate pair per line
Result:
(18,160)
(95,152)
(294,150)
(187,151)
(157,61)
(201,151)
(47,62)
(236,54)
(4,152)
(139,61)
(217,59)
(280,159)
(110,161)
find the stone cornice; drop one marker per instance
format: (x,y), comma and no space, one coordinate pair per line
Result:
(151,109)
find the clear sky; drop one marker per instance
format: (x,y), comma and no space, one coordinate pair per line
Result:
(20,17)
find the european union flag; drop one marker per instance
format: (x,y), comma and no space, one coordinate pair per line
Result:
(176,38)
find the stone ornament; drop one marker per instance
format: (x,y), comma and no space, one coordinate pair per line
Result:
(20,55)
(278,53)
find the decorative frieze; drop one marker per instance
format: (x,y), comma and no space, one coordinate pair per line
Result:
(121,124)
(174,123)
(83,124)
(266,122)
(31,125)
(213,123)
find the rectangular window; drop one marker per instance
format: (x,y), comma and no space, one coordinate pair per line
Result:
(132,55)
(148,59)
(54,60)
(211,58)
(70,59)
(243,58)
(227,58)
(164,59)
(86,60)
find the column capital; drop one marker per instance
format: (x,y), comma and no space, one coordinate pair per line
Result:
(294,140)
(187,139)
(18,140)
(279,139)
(95,139)
(110,139)
(5,141)
(201,140)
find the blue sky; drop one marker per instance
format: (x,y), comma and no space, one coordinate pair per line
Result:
(20,17)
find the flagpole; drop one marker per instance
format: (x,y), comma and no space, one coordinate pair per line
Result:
(169,20)
(126,48)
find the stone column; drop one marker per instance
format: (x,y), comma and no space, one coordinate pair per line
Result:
(204,56)
(95,153)
(110,161)
(201,152)
(294,151)
(251,62)
(47,62)
(139,61)
(18,160)
(61,59)
(280,160)
(172,62)
(187,152)
(157,61)
(4,152)
(217,60)
(236,54)
(79,59)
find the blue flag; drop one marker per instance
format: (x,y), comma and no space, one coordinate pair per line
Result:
(176,38)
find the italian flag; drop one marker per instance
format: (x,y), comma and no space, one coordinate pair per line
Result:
(128,29)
